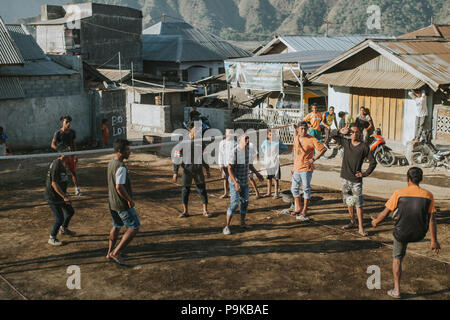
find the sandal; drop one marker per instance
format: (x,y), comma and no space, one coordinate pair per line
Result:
(391,294)
(277,196)
(350,226)
(183,215)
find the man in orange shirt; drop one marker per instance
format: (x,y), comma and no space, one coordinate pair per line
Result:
(304,147)
(314,118)
(414,214)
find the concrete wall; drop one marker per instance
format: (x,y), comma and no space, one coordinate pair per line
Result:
(111,105)
(339,98)
(150,118)
(49,86)
(218,118)
(42,119)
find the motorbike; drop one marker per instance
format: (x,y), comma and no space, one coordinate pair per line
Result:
(382,153)
(427,155)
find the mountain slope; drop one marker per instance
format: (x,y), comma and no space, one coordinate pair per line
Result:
(261,19)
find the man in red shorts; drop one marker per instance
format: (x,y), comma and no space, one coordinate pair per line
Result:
(66,137)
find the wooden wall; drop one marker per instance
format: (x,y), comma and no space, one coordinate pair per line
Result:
(386,109)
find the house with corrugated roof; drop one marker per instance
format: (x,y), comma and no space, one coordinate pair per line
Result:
(35,91)
(306,54)
(180,51)
(378,74)
(434,31)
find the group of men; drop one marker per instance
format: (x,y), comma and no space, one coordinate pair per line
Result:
(414,206)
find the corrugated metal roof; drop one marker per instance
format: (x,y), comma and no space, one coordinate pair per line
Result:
(361,78)
(305,43)
(186,43)
(316,43)
(434,30)
(36,68)
(309,61)
(10,88)
(28,47)
(9,53)
(428,61)
(114,74)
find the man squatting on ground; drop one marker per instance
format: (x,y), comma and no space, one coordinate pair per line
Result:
(190,152)
(271,148)
(304,147)
(225,148)
(415,214)
(66,137)
(121,202)
(241,160)
(57,197)
(355,151)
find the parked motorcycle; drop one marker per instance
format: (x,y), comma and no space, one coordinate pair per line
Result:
(382,153)
(427,155)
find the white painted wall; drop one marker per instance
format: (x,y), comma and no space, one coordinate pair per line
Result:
(148,117)
(409,116)
(339,98)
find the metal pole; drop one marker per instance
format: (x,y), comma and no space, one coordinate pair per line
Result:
(301,90)
(164,89)
(229,99)
(120,70)
(132,81)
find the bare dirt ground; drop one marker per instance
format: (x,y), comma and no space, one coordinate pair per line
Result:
(173,258)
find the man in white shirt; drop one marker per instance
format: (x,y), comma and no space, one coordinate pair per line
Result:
(420,99)
(225,148)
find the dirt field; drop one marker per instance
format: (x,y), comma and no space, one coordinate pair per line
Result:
(190,258)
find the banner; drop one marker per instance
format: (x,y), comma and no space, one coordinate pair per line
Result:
(251,75)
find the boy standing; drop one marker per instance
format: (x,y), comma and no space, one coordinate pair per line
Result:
(314,118)
(327,120)
(57,197)
(304,147)
(239,164)
(225,148)
(66,137)
(355,151)
(121,202)
(191,154)
(271,150)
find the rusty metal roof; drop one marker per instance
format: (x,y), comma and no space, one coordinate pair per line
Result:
(434,30)
(426,60)
(9,53)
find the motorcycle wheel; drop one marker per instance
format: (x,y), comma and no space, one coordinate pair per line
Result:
(422,159)
(385,157)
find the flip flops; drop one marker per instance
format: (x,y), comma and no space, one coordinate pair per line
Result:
(183,215)
(117,261)
(391,294)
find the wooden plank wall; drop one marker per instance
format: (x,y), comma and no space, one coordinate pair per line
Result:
(385,106)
